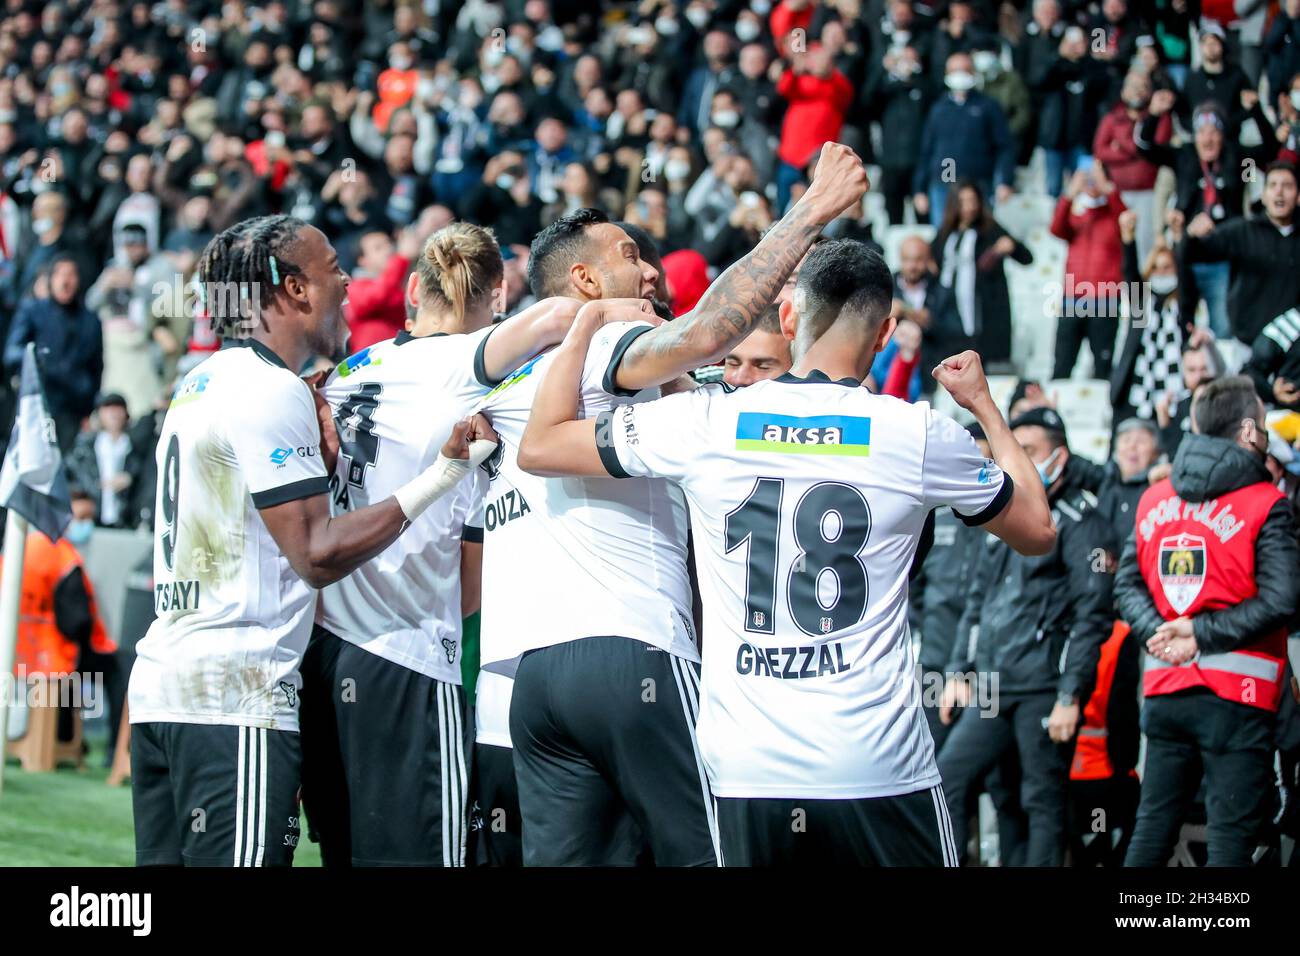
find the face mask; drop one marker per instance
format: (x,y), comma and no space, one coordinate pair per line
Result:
(1135,103)
(1048,479)
(78,532)
(959,81)
(1294,97)
(1163,285)
(761,7)
(493,57)
(42,226)
(675,170)
(698,17)
(747,30)
(399,62)
(986,62)
(491,83)
(667,26)
(726,119)
(425,89)
(505,181)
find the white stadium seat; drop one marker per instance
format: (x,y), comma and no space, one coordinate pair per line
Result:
(1082,404)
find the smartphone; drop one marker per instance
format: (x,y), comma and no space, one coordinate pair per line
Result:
(1084,165)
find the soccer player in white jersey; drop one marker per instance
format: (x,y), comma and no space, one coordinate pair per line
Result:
(384,722)
(807,496)
(586,597)
(243,536)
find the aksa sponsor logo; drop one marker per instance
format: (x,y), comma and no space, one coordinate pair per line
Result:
(808,435)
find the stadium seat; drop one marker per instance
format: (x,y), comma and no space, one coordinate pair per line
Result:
(1090,443)
(1082,404)
(39,749)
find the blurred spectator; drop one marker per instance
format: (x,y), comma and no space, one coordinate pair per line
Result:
(104,460)
(1201,365)
(1274,364)
(1150,361)
(1209,180)
(1216,80)
(1069,87)
(920,298)
(818,95)
(1088,219)
(1129,171)
(1264,254)
(965,137)
(69,346)
(376,306)
(969,251)
(899,91)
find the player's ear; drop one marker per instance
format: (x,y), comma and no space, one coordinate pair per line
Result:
(500,297)
(886,332)
(789,317)
(585,280)
(413,291)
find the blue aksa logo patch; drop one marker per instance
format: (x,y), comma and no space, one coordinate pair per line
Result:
(359,360)
(985,477)
(280,456)
(810,435)
(191,389)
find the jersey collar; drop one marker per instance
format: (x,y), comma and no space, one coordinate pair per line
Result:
(263,352)
(402,337)
(818,377)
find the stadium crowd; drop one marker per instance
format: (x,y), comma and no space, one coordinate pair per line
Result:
(1158,139)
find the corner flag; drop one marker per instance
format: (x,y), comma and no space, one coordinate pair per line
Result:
(32,481)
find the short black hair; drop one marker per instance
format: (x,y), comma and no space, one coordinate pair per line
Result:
(1284,166)
(556,248)
(1221,406)
(769,320)
(241,257)
(843,277)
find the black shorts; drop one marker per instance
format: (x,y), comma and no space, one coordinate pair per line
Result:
(214,795)
(606,759)
(495,825)
(384,769)
(911,829)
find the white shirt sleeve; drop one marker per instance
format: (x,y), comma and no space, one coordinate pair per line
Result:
(606,351)
(276,440)
(475,492)
(955,474)
(661,439)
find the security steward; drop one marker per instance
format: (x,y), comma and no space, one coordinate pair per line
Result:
(1208,585)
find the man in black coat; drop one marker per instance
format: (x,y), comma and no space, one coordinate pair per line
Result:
(1041,623)
(921,298)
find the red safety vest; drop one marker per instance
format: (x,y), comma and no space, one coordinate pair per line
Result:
(1197,557)
(1091,754)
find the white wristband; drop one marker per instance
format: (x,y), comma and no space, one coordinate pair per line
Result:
(439,478)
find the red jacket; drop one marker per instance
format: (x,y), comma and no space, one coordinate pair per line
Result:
(1114,145)
(783,20)
(376,308)
(815,114)
(1096,254)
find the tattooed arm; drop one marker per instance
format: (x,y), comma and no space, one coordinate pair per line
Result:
(729,309)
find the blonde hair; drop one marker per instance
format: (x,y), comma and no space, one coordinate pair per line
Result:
(460,263)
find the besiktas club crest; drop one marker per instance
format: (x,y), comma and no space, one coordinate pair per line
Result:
(1182,569)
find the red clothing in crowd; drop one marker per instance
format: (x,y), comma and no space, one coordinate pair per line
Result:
(688,278)
(815,114)
(1096,253)
(376,308)
(1114,145)
(783,20)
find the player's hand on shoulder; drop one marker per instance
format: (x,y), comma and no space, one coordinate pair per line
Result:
(604,311)
(963,376)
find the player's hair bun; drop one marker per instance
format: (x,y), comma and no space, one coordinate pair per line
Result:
(459,263)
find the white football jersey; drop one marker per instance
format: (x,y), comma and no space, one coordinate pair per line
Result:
(233,616)
(394,405)
(807,498)
(567,558)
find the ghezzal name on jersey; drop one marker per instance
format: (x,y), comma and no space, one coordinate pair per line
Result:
(791,663)
(176,596)
(507,507)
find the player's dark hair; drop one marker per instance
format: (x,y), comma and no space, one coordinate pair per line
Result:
(1221,406)
(1283,166)
(240,257)
(769,320)
(556,248)
(843,277)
